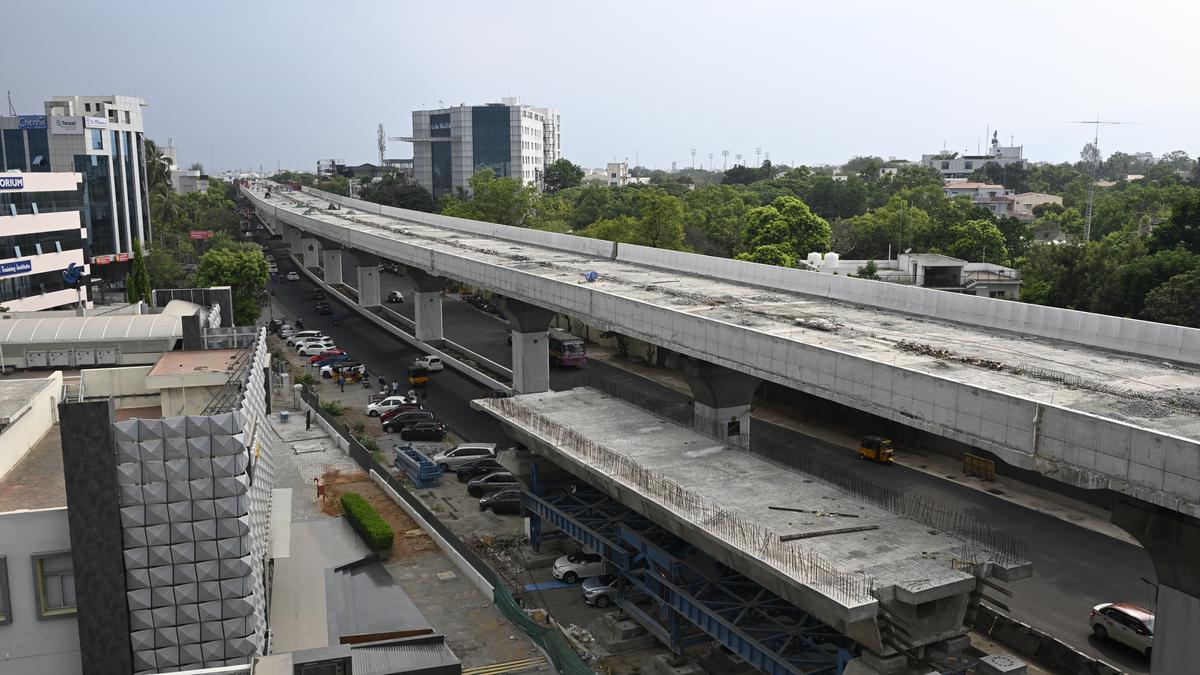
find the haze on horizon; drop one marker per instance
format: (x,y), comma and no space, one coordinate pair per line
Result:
(236,85)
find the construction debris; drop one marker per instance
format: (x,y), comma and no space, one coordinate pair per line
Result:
(825,533)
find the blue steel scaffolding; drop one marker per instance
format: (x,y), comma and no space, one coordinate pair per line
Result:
(685,597)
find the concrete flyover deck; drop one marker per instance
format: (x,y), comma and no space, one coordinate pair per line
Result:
(1093,401)
(717,498)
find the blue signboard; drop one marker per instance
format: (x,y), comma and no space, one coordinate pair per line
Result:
(12,182)
(31,122)
(15,267)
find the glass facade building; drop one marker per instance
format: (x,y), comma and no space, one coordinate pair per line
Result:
(491,139)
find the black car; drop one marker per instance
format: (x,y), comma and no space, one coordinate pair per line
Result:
(324,308)
(424,431)
(319,294)
(504,501)
(406,419)
(476,468)
(497,480)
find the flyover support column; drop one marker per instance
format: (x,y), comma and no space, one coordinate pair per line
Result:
(1173,541)
(427,304)
(368,278)
(331,259)
(292,237)
(723,396)
(530,345)
(310,252)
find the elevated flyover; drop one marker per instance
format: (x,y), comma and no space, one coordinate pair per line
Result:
(1093,401)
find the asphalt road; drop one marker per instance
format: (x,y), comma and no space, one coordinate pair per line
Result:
(1073,568)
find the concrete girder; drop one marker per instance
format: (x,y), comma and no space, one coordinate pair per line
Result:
(1173,541)
(723,398)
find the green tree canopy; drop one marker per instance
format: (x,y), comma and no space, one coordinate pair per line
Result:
(1177,301)
(975,241)
(622,229)
(780,255)
(137,282)
(562,174)
(660,221)
(495,200)
(398,192)
(241,267)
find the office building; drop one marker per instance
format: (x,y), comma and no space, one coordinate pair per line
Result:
(618,174)
(41,236)
(101,138)
(953,165)
(451,144)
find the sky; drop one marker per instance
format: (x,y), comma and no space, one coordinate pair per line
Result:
(250,83)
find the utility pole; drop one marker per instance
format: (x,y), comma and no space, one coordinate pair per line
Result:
(710,161)
(758,157)
(693,159)
(724,160)
(1096,123)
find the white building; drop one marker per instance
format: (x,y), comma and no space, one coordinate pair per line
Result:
(955,166)
(101,138)
(618,174)
(451,144)
(41,235)
(1024,203)
(930,270)
(994,198)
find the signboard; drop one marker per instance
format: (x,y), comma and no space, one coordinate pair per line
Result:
(110,259)
(201,234)
(95,122)
(66,125)
(31,121)
(12,182)
(15,267)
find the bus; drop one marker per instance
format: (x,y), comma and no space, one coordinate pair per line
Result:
(566,349)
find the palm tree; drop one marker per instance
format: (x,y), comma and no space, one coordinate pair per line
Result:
(157,171)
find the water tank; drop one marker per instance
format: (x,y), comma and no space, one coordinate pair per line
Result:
(831,260)
(814,259)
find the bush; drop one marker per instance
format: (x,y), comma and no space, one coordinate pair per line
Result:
(368,441)
(305,379)
(375,532)
(357,428)
(333,408)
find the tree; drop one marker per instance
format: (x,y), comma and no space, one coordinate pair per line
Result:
(868,271)
(1177,301)
(196,166)
(164,269)
(889,229)
(780,255)
(137,282)
(744,175)
(562,174)
(1183,229)
(495,200)
(622,229)
(338,185)
(976,241)
(244,269)
(863,166)
(157,172)
(713,219)
(400,193)
(660,221)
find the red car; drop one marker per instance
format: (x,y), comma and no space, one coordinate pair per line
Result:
(324,355)
(403,407)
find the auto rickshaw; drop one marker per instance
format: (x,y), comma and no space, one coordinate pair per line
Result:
(876,449)
(418,376)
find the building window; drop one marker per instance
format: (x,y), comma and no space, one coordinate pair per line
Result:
(54,579)
(968,165)
(945,166)
(87,107)
(126,117)
(97,139)
(995,294)
(5,605)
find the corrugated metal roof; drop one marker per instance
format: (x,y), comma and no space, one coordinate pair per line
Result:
(401,657)
(166,324)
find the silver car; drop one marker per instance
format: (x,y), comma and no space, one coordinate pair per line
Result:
(1124,622)
(600,591)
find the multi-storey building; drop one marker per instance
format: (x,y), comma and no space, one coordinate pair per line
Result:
(451,144)
(953,165)
(41,236)
(101,138)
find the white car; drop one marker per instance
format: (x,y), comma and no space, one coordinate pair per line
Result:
(293,276)
(388,404)
(303,335)
(395,296)
(460,454)
(286,331)
(314,348)
(1124,622)
(572,568)
(600,591)
(433,363)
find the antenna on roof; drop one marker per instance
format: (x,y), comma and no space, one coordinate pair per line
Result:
(11,110)
(1087,218)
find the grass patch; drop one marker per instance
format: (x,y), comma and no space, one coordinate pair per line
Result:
(333,408)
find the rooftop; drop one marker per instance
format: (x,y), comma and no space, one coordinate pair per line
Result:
(1141,391)
(37,481)
(15,397)
(973,186)
(207,361)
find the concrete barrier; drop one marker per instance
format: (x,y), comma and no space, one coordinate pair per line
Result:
(1034,644)
(460,562)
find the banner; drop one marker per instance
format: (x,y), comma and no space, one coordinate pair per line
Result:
(15,267)
(31,121)
(12,182)
(110,259)
(201,234)
(66,125)
(95,122)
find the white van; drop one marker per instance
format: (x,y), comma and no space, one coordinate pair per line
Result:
(302,336)
(462,453)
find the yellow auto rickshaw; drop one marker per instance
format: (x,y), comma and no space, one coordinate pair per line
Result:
(876,449)
(418,376)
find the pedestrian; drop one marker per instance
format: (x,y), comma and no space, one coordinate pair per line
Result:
(382,384)
(341,382)
(308,419)
(320,489)
(395,387)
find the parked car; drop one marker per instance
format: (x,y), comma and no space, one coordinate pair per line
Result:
(326,354)
(476,468)
(388,404)
(331,370)
(600,591)
(460,454)
(313,341)
(312,348)
(497,480)
(286,331)
(326,361)
(424,431)
(408,418)
(293,276)
(302,335)
(572,568)
(1124,622)
(395,296)
(323,308)
(432,363)
(504,501)
(318,294)
(411,404)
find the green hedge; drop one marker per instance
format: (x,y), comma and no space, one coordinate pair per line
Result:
(375,532)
